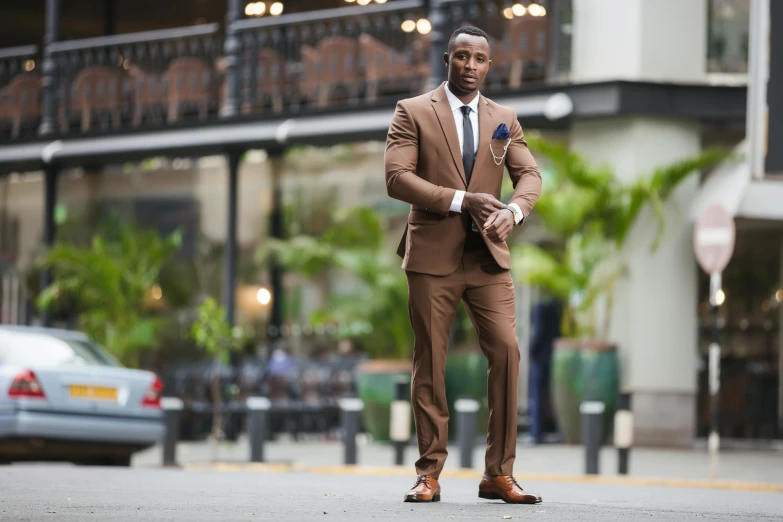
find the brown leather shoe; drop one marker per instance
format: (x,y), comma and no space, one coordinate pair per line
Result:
(505,488)
(426,489)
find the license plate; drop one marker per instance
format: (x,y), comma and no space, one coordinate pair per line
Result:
(100,393)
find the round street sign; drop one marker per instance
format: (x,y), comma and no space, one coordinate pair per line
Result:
(713,239)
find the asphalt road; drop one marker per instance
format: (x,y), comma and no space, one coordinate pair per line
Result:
(64,492)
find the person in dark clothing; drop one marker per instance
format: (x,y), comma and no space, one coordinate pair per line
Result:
(545,325)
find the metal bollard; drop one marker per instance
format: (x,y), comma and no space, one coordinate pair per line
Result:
(592,433)
(400,420)
(623,432)
(466,429)
(172,412)
(257,417)
(351,409)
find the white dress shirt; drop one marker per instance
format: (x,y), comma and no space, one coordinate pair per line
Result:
(456,111)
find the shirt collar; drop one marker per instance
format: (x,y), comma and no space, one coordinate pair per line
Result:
(455,102)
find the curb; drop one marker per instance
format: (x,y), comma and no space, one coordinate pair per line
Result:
(406,471)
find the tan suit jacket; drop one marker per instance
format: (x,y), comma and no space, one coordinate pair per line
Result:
(423,165)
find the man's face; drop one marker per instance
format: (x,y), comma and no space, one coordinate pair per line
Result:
(468,62)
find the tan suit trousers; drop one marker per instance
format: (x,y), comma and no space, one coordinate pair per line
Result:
(488,293)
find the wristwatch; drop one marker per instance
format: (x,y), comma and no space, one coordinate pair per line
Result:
(517,213)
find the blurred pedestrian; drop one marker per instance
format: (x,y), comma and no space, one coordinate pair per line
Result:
(545,325)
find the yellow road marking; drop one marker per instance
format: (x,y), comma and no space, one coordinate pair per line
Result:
(475,474)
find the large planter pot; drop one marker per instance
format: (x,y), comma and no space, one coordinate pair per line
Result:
(583,370)
(466,378)
(375,382)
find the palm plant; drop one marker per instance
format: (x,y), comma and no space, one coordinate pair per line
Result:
(353,244)
(109,283)
(591,213)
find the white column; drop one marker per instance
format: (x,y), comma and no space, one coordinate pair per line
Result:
(655,307)
(659,40)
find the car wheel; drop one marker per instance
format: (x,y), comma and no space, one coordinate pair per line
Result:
(123,461)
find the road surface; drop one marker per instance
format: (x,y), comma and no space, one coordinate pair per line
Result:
(63,492)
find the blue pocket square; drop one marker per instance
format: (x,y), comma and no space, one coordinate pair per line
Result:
(501,133)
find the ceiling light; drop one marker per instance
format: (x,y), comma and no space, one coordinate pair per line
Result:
(424,26)
(508,13)
(255,9)
(362,2)
(276,9)
(380,1)
(519,9)
(263,296)
(409,26)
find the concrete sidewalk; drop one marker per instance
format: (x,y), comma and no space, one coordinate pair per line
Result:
(551,459)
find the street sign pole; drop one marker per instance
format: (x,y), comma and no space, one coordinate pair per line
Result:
(713,243)
(714,372)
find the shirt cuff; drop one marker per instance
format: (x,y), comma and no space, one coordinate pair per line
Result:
(518,216)
(456,203)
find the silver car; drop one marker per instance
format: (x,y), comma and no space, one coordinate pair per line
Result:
(63,398)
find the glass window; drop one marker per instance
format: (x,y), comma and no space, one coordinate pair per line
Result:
(727,45)
(43,351)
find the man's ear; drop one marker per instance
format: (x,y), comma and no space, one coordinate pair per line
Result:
(446,59)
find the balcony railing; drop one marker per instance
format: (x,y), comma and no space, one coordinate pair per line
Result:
(343,57)
(137,79)
(354,55)
(20,91)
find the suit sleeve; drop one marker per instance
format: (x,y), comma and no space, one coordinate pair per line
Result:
(400,160)
(523,170)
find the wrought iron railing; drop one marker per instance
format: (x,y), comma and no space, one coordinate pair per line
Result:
(20,91)
(342,57)
(141,79)
(353,55)
(331,57)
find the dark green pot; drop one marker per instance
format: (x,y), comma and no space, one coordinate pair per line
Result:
(466,378)
(583,370)
(375,382)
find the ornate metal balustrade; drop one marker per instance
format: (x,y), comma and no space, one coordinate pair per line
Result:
(357,55)
(20,91)
(322,60)
(143,79)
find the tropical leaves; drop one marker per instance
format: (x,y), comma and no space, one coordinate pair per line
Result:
(591,213)
(353,245)
(108,282)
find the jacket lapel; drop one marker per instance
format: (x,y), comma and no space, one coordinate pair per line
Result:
(443,110)
(486,129)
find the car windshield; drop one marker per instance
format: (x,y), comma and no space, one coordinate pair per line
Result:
(44,351)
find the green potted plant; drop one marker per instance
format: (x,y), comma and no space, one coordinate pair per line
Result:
(589,214)
(113,285)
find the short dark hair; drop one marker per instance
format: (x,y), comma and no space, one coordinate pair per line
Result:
(468,29)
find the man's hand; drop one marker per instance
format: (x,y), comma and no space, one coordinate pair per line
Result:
(481,206)
(499,225)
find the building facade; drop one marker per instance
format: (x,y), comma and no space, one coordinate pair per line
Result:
(633,84)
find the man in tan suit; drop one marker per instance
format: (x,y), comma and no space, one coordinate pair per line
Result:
(442,159)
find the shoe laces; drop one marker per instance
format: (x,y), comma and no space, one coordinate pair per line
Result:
(513,482)
(422,479)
